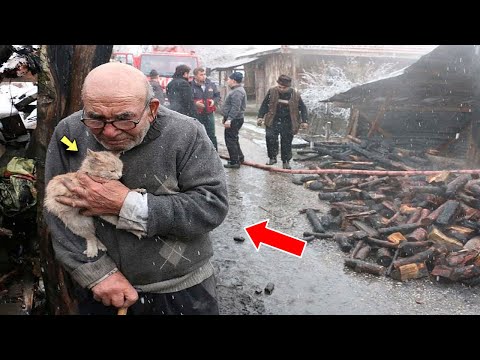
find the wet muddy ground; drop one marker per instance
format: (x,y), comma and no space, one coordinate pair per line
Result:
(317,283)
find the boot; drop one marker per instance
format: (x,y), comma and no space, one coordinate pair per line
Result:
(272,161)
(286,165)
(232,165)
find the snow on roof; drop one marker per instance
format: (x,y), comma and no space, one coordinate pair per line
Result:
(235,63)
(390,50)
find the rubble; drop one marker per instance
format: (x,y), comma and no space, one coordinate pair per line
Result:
(404,227)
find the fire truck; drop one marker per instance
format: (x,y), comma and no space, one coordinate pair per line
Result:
(165,59)
(123,57)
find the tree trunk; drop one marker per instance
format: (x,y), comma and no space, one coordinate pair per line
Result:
(64,68)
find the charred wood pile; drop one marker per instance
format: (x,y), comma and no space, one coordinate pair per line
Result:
(406,227)
(371,154)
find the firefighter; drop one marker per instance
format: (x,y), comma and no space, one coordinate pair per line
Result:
(179,92)
(283,112)
(206,98)
(157,88)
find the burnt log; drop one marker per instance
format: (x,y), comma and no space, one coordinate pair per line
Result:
(381,243)
(412,248)
(360,225)
(314,185)
(410,271)
(365,267)
(415,216)
(469,200)
(335,196)
(400,228)
(379,158)
(384,257)
(343,242)
(432,217)
(456,185)
(363,253)
(440,238)
(461,258)
(350,206)
(473,187)
(427,255)
(449,213)
(314,221)
(456,273)
(470,224)
(415,190)
(419,234)
(328,235)
(396,238)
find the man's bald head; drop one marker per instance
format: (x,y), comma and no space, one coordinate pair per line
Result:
(112,81)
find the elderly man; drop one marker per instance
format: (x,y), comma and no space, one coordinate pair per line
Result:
(169,155)
(284,113)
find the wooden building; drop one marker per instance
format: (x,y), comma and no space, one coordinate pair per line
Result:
(262,68)
(430,106)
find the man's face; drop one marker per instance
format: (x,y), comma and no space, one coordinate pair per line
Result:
(122,108)
(200,77)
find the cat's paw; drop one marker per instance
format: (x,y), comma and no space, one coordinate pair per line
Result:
(91,251)
(100,246)
(141,191)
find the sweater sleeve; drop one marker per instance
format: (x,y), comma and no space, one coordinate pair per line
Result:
(201,203)
(235,111)
(69,247)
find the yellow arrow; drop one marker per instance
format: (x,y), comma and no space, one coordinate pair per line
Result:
(72,146)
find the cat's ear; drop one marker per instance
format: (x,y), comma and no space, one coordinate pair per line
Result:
(91,153)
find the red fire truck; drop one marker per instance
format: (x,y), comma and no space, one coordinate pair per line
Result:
(165,60)
(123,57)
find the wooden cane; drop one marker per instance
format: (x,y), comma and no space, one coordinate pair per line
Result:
(122,311)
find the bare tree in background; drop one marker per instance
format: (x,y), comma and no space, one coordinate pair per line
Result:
(64,67)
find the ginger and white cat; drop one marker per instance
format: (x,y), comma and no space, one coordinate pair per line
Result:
(103,164)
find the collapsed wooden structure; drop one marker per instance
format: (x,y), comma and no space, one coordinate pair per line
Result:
(430,105)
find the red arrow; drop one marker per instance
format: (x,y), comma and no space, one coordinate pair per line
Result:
(259,233)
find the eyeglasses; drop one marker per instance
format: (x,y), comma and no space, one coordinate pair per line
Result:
(118,124)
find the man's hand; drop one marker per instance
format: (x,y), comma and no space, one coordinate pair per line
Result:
(259,122)
(116,291)
(96,196)
(304,126)
(211,102)
(227,124)
(200,104)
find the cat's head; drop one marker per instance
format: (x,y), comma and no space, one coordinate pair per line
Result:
(103,164)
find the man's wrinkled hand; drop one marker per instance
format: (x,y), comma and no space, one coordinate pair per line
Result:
(304,126)
(95,197)
(116,291)
(200,104)
(259,122)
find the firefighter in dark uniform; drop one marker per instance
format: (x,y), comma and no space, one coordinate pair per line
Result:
(157,88)
(179,91)
(284,113)
(206,98)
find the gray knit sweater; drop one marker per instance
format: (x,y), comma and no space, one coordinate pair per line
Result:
(187,198)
